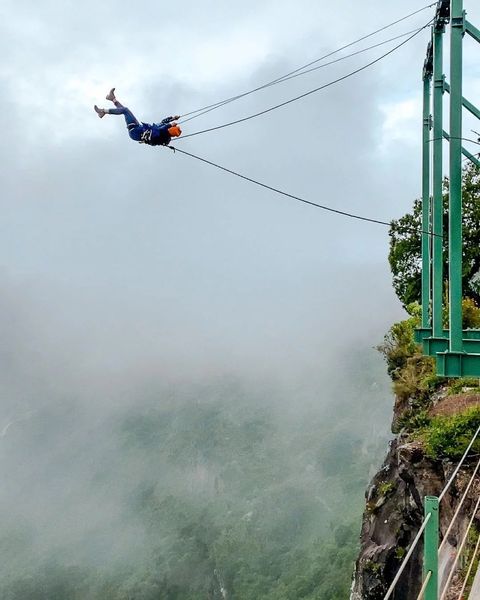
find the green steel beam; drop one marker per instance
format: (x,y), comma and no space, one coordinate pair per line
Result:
(465,152)
(457,351)
(472,30)
(422,333)
(468,105)
(437,207)
(471,108)
(430,548)
(471,157)
(455,194)
(434,346)
(458,364)
(426,238)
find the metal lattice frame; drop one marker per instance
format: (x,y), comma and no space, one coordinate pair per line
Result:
(457,351)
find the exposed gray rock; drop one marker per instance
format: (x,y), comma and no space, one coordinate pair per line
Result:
(394,513)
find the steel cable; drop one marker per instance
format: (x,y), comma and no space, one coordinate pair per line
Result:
(457,512)
(424,586)
(292,196)
(407,558)
(310,92)
(294,74)
(470,567)
(454,474)
(279,79)
(452,571)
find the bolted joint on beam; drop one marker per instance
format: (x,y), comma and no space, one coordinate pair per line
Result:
(428,121)
(460,22)
(440,83)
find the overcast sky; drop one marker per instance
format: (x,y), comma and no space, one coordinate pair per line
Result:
(120,252)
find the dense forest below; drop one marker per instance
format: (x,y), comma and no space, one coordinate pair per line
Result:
(220,491)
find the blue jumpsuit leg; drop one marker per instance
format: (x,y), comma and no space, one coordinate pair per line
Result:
(135,129)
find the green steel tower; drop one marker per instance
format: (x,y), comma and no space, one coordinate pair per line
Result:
(457,351)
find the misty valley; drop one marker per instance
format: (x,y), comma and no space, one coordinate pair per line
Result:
(216,490)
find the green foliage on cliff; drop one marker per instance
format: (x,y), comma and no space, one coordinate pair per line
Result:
(449,436)
(414,382)
(405,243)
(412,373)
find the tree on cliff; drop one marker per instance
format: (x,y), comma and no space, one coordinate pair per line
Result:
(405,243)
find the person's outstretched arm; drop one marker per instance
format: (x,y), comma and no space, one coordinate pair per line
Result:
(169,120)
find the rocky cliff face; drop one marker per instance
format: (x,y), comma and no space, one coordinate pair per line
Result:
(393,515)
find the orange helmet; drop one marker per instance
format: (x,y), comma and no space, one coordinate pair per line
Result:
(175,131)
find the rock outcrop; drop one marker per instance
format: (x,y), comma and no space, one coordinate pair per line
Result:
(394,513)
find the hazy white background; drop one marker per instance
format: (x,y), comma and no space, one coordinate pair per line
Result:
(116,256)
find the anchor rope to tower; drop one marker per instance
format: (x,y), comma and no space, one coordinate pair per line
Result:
(288,195)
(298,70)
(313,91)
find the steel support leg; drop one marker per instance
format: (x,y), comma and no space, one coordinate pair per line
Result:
(430,548)
(455,196)
(437,210)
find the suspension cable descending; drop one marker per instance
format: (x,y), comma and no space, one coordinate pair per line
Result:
(407,558)
(460,504)
(442,495)
(454,474)
(279,79)
(292,196)
(295,74)
(317,89)
(470,567)
(424,586)
(459,551)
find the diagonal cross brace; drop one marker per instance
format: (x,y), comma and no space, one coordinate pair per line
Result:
(465,152)
(472,31)
(468,105)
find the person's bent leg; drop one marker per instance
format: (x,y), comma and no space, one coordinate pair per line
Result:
(111,96)
(130,118)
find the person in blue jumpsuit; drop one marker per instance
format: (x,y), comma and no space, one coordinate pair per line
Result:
(155,134)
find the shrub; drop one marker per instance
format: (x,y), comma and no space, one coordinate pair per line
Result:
(414,420)
(412,373)
(470,314)
(449,436)
(385,488)
(456,386)
(399,344)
